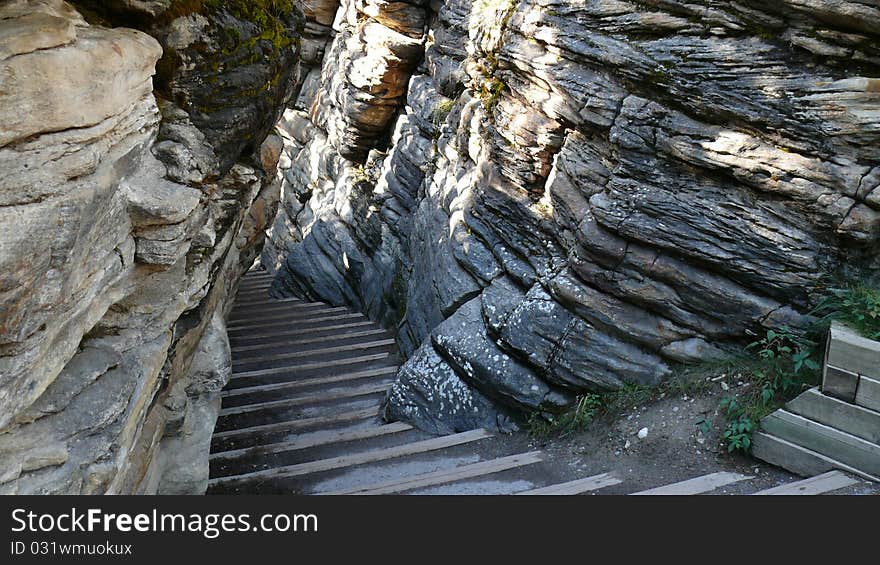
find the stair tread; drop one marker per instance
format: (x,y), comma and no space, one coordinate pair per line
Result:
(820,484)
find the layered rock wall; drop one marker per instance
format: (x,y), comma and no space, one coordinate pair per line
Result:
(128,219)
(566,196)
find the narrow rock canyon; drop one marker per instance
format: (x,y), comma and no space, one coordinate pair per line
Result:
(539,197)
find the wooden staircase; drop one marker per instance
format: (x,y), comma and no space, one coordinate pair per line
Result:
(300,415)
(835,426)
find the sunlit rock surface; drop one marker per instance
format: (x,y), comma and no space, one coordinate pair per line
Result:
(565,196)
(128,220)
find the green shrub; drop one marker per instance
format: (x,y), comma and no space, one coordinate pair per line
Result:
(575,420)
(856,305)
(779,366)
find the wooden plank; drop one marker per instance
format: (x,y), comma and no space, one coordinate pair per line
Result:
(257,288)
(301,424)
(445,476)
(308,366)
(307,341)
(302,383)
(868,393)
(302,331)
(285,324)
(287,311)
(697,485)
(241,305)
(354,459)
(270,306)
(307,399)
(839,383)
(852,352)
(833,443)
(820,484)
(316,439)
(251,291)
(850,418)
(313,352)
(796,458)
(284,317)
(578,486)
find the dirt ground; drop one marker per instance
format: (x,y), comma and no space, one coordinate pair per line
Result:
(674,447)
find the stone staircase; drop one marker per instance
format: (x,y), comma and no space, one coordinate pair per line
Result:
(300,415)
(835,426)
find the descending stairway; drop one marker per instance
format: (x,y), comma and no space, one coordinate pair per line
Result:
(835,426)
(300,415)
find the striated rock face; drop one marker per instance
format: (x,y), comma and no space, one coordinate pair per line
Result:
(127,223)
(564,196)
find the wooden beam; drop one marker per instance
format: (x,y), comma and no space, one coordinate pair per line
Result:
(286,324)
(578,486)
(826,482)
(444,476)
(850,418)
(697,485)
(284,317)
(868,393)
(306,341)
(301,424)
(316,439)
(831,442)
(308,366)
(307,399)
(302,331)
(852,352)
(354,459)
(302,383)
(239,361)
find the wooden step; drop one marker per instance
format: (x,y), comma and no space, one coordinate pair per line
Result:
(287,323)
(826,482)
(852,352)
(252,289)
(316,439)
(299,332)
(868,393)
(317,398)
(302,383)
(259,310)
(697,485)
(273,304)
(850,418)
(280,312)
(353,459)
(301,424)
(313,352)
(242,305)
(797,459)
(578,486)
(297,316)
(254,281)
(310,366)
(838,445)
(445,476)
(306,341)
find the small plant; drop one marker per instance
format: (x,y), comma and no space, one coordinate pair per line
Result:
(575,420)
(856,305)
(705,425)
(740,425)
(441,111)
(786,364)
(490,92)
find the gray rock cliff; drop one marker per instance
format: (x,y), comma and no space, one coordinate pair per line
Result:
(546,197)
(128,218)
